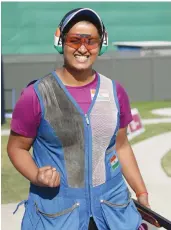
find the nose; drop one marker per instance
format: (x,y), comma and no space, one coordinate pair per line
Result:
(82,49)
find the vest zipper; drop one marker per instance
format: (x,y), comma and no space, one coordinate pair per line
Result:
(87,119)
(114,205)
(118,205)
(88,123)
(58,213)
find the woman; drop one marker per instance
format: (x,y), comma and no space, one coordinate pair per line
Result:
(76,121)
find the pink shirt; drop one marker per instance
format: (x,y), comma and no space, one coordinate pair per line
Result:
(27,112)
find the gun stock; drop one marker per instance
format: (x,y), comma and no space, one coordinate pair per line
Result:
(152,217)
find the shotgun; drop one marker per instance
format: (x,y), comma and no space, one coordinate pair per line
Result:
(152,217)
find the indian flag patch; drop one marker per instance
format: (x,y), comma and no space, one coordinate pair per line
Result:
(114,162)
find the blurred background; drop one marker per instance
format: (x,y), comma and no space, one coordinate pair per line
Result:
(139,57)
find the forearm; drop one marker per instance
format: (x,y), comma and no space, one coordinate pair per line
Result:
(23,162)
(130,168)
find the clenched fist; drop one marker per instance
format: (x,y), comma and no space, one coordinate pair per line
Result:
(47,177)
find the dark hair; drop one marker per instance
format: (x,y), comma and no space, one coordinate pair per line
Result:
(80,18)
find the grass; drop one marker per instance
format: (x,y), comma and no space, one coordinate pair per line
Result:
(14,187)
(146,107)
(152,130)
(7,124)
(166,163)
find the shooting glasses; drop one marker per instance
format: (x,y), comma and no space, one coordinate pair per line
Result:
(77,40)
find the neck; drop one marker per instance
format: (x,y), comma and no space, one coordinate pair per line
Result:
(72,77)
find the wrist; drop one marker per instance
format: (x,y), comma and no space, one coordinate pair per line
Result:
(141,194)
(34,179)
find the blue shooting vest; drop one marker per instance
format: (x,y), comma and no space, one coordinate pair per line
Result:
(82,149)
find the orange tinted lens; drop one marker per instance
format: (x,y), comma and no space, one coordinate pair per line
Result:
(92,43)
(75,41)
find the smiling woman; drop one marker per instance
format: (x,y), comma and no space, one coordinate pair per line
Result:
(81,47)
(81,39)
(76,121)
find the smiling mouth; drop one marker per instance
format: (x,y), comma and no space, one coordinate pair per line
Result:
(81,58)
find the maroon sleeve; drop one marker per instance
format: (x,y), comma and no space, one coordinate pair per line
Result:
(125,109)
(27,113)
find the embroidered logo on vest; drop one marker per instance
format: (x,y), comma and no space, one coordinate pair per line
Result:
(103,95)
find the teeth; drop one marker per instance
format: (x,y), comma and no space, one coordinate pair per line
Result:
(81,58)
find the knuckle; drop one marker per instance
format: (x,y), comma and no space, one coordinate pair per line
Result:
(46,182)
(51,185)
(58,175)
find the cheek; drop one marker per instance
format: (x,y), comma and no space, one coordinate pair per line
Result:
(68,51)
(94,53)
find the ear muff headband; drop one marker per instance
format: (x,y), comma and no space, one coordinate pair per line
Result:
(58,38)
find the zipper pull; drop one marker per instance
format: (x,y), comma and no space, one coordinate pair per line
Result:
(87,119)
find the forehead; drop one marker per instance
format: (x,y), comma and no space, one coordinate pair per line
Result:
(84,27)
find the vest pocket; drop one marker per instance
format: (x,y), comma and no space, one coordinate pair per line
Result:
(64,212)
(66,218)
(30,219)
(120,215)
(37,218)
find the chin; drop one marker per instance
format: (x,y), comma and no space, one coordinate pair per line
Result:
(81,67)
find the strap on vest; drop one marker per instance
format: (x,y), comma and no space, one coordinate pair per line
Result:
(21,203)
